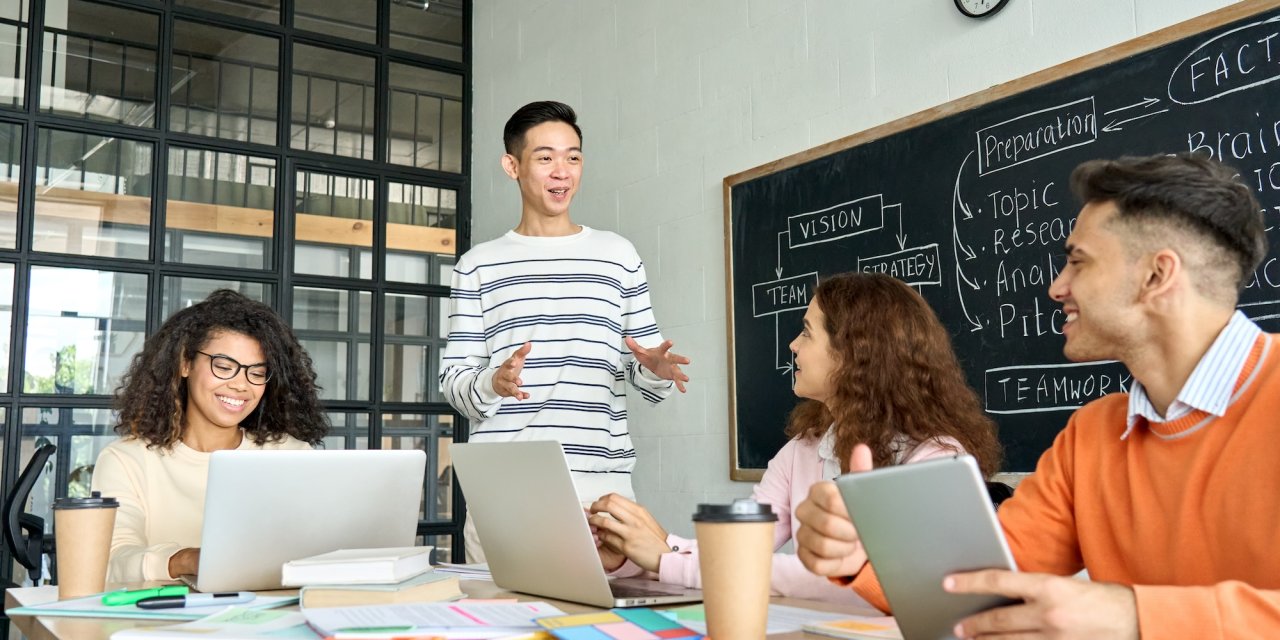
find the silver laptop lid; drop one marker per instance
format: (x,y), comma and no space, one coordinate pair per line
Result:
(533,527)
(264,508)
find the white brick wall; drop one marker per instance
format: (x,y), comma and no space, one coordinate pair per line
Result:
(674,95)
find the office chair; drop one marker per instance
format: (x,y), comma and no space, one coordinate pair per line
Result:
(999,492)
(24,532)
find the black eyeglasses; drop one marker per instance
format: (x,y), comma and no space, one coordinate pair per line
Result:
(226,368)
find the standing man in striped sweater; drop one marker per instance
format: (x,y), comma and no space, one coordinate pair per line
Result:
(551,318)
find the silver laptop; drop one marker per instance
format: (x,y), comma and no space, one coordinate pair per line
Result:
(919,523)
(264,508)
(534,531)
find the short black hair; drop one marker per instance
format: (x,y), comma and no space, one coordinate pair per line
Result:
(1186,190)
(532,115)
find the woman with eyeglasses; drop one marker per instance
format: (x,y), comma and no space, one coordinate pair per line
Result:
(225,373)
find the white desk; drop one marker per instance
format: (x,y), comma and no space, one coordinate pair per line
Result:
(58,628)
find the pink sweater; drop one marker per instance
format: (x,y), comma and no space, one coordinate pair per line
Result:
(785,484)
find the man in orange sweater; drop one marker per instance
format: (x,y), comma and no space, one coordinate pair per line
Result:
(1168,495)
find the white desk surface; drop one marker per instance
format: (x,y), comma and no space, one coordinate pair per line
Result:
(58,628)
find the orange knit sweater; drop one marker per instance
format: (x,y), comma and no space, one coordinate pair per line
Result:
(1190,519)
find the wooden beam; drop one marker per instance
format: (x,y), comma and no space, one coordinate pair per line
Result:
(94,208)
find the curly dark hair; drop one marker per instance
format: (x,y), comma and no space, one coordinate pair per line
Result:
(895,374)
(151,400)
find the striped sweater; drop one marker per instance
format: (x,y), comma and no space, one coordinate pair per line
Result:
(575,298)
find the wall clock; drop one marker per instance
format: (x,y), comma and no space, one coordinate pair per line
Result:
(980,8)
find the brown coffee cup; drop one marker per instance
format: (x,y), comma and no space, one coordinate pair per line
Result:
(82,529)
(735,551)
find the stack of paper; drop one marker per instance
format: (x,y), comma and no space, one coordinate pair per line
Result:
(431,586)
(479,571)
(458,619)
(857,628)
(92,607)
(357,566)
(233,624)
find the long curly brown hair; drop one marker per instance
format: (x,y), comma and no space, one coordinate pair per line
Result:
(151,400)
(895,374)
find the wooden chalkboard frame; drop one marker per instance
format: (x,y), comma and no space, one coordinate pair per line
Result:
(1107,56)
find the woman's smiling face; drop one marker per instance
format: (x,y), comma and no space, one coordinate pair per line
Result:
(218,403)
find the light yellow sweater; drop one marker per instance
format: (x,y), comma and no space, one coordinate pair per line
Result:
(161,496)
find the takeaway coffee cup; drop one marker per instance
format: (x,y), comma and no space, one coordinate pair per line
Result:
(735,550)
(82,528)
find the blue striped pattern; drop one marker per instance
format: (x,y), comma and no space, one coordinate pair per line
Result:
(575,299)
(1211,383)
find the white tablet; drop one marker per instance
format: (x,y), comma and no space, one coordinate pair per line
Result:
(919,523)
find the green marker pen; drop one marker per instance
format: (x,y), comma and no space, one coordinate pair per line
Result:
(117,598)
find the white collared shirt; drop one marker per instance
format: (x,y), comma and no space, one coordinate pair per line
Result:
(1212,382)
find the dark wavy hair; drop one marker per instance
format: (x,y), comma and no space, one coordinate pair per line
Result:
(895,374)
(151,400)
(1187,191)
(532,115)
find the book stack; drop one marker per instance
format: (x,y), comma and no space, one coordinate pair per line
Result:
(358,577)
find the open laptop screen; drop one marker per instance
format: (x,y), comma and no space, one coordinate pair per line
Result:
(264,508)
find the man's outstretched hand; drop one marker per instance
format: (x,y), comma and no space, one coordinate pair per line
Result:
(663,362)
(506,382)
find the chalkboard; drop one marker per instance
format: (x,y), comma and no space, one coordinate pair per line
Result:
(970,204)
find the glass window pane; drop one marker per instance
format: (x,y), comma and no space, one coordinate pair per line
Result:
(333,228)
(352,19)
(421,237)
(93,195)
(7,271)
(426,118)
(10,173)
(407,374)
(221,208)
(349,431)
(180,293)
(261,10)
(333,96)
(224,83)
(13,57)
(333,326)
(82,344)
(406,316)
(432,434)
(99,63)
(431,28)
(443,544)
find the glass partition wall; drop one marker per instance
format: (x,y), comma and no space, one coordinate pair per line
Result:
(306,153)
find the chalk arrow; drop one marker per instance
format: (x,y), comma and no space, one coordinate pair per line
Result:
(785,367)
(965,249)
(1115,125)
(958,208)
(964,209)
(902,237)
(778,271)
(1146,102)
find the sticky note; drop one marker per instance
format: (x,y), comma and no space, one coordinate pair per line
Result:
(581,633)
(625,631)
(579,620)
(648,619)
